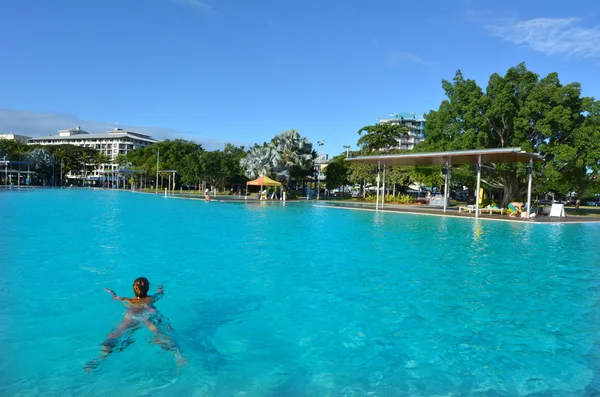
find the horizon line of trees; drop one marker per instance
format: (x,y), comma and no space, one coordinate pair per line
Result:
(518,109)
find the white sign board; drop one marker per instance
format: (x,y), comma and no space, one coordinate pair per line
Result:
(558,210)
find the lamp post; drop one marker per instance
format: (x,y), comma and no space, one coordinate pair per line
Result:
(347,147)
(320,143)
(157,159)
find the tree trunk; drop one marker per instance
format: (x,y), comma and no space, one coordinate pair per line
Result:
(510,189)
(580,192)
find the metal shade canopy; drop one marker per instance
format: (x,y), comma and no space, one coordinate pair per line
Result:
(447,159)
(488,156)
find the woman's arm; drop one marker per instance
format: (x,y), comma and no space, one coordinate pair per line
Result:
(114,296)
(159,294)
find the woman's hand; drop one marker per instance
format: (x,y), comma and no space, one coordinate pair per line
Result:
(110,291)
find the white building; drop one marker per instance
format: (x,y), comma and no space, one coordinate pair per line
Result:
(112,143)
(21,138)
(416,125)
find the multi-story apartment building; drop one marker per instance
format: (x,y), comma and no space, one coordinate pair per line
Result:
(112,143)
(416,126)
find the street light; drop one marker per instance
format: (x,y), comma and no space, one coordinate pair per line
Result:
(5,172)
(157,159)
(320,143)
(347,147)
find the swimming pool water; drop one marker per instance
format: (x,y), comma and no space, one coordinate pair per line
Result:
(294,300)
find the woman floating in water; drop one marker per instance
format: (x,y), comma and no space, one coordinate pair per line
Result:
(140,313)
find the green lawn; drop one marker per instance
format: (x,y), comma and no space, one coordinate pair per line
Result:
(584,210)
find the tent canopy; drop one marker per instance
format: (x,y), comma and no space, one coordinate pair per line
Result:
(263,181)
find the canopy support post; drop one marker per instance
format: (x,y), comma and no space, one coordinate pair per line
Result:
(530,172)
(446,172)
(478,185)
(383,189)
(377,197)
(157,161)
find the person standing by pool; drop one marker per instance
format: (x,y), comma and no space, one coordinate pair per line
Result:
(140,312)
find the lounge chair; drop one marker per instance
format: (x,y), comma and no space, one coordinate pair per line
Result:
(494,209)
(470,208)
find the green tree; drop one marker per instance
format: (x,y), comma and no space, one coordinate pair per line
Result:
(234,175)
(337,172)
(68,158)
(121,160)
(574,159)
(179,155)
(87,157)
(518,109)
(14,150)
(381,136)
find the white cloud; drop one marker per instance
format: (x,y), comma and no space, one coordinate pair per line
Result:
(199,5)
(397,58)
(35,124)
(552,36)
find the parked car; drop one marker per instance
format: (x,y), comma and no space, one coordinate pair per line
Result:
(462,196)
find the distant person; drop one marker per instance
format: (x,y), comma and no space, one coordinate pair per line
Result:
(206,197)
(140,313)
(516,207)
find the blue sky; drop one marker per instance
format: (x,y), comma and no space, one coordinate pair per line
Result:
(241,71)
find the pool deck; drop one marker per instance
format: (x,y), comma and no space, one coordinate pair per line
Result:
(453,212)
(410,209)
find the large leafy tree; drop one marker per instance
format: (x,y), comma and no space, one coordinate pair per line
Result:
(232,155)
(14,150)
(222,167)
(381,136)
(574,159)
(179,155)
(337,172)
(517,109)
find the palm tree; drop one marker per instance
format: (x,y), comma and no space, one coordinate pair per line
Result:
(100,158)
(60,153)
(42,160)
(87,158)
(296,155)
(260,160)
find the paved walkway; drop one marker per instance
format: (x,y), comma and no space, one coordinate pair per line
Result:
(453,211)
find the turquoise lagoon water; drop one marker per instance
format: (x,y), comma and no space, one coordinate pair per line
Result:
(294,300)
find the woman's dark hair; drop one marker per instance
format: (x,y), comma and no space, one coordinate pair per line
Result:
(141,286)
